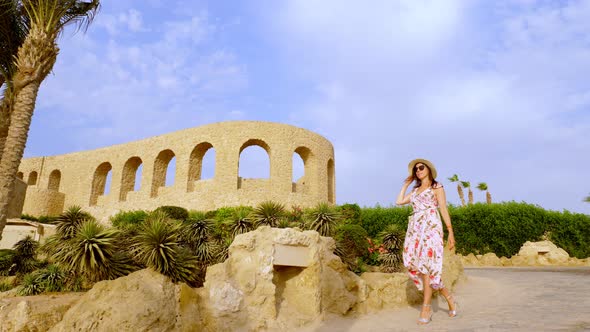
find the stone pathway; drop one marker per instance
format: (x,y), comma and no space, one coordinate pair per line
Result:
(494,299)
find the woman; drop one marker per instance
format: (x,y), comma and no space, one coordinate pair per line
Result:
(423,246)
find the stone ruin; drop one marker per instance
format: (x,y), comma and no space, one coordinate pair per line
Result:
(138,172)
(274,279)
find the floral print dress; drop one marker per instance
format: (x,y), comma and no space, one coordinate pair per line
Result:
(423,246)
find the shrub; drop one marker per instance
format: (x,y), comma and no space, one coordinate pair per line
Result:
(350,212)
(24,258)
(323,219)
(31,285)
(240,222)
(157,246)
(268,213)
(6,259)
(353,238)
(52,278)
(5,286)
(128,219)
(174,212)
(68,222)
(375,219)
(28,217)
(47,219)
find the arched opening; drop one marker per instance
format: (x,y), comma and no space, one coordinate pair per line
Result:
(32,179)
(100,182)
(301,166)
(331,181)
(20,175)
(130,177)
(201,164)
(162,171)
(254,161)
(54,180)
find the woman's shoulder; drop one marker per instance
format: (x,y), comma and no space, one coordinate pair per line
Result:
(437,186)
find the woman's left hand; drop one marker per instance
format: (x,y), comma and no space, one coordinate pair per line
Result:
(451,241)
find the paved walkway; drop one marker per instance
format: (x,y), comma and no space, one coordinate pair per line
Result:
(495,299)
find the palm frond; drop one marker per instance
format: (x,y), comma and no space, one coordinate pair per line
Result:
(482,186)
(323,219)
(268,213)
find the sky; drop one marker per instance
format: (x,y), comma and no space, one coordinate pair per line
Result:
(494,91)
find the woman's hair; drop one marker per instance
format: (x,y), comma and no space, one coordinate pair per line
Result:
(413,177)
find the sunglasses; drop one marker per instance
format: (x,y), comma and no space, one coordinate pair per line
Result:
(421,168)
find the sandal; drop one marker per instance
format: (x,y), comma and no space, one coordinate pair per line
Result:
(450,298)
(424,321)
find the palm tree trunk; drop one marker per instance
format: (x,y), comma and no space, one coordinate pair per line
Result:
(35,59)
(461,195)
(470,196)
(16,140)
(488,197)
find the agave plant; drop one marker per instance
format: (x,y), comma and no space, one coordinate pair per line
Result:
(484,187)
(31,285)
(52,278)
(268,213)
(455,178)
(157,246)
(69,221)
(467,184)
(196,230)
(241,222)
(323,218)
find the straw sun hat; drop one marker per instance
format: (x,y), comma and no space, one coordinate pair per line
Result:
(423,161)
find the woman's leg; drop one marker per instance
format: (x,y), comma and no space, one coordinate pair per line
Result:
(426,306)
(449,298)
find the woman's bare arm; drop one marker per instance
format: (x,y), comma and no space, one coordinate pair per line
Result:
(444,212)
(402,198)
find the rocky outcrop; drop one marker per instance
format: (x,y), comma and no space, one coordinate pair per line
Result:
(542,253)
(34,313)
(142,301)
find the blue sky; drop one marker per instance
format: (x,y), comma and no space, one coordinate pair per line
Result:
(495,91)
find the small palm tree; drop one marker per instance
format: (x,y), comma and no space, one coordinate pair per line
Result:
(455,178)
(467,184)
(24,258)
(268,213)
(484,187)
(323,218)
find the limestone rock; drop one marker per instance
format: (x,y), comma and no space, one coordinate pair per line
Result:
(490,259)
(34,313)
(142,301)
(543,253)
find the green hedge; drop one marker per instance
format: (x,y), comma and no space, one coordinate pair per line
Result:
(501,228)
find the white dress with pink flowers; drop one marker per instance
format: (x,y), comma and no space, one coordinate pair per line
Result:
(423,246)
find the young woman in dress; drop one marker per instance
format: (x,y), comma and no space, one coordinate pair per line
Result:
(423,246)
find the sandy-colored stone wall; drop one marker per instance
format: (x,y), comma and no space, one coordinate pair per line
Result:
(82,176)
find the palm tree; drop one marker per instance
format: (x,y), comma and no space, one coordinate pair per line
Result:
(13,30)
(587,199)
(34,60)
(455,178)
(467,184)
(484,187)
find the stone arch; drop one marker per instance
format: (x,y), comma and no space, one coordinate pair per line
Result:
(249,143)
(129,177)
(32,180)
(20,175)
(331,181)
(54,180)
(300,184)
(160,169)
(195,166)
(99,181)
